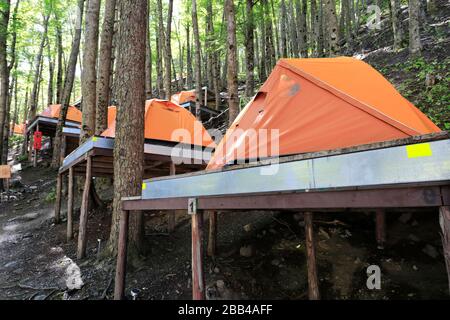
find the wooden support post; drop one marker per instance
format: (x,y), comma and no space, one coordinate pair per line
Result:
(444,221)
(380,228)
(121,267)
(35,152)
(70,206)
(58,198)
(62,154)
(30,145)
(198,280)
(212,236)
(313,284)
(171,214)
(84,211)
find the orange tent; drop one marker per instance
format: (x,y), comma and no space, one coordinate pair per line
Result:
(183,97)
(53,111)
(320,104)
(167,121)
(111,114)
(18,128)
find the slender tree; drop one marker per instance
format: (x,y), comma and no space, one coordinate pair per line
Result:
(397,28)
(68,84)
(129,142)
(105,68)
(249,50)
(89,71)
(233,98)
(168,53)
(197,55)
(4,79)
(415,45)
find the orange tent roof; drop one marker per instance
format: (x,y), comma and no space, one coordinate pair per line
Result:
(183,97)
(18,128)
(111,114)
(53,111)
(163,119)
(321,104)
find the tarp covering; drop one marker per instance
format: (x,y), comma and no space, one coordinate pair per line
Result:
(54,110)
(183,97)
(167,121)
(320,104)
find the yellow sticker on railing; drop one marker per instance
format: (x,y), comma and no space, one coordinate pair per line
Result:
(94,139)
(144,186)
(419,150)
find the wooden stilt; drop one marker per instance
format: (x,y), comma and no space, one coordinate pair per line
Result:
(313,284)
(171,215)
(119,287)
(198,280)
(35,152)
(30,145)
(212,236)
(58,198)
(84,211)
(70,206)
(444,221)
(380,228)
(63,149)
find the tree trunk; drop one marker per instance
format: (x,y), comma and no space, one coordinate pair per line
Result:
(321,40)
(198,66)
(89,72)
(168,53)
(189,80)
(415,45)
(148,58)
(104,68)
(303,29)
(51,72)
(332,30)
(59,73)
(233,98)
(314,28)
(34,92)
(396,24)
(129,142)
(249,51)
(68,85)
(283,30)
(161,50)
(4,78)
(209,45)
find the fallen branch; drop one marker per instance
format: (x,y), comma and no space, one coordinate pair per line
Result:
(24,286)
(107,287)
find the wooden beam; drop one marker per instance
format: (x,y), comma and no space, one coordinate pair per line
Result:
(81,252)
(121,267)
(198,280)
(70,206)
(444,221)
(171,215)
(313,283)
(380,228)
(58,198)
(212,236)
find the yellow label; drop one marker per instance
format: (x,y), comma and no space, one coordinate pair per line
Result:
(94,139)
(144,186)
(419,150)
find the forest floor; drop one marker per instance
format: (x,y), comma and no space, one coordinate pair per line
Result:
(260,254)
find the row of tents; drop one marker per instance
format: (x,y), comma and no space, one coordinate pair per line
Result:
(313,104)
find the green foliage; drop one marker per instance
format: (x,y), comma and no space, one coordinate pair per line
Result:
(431,96)
(51,196)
